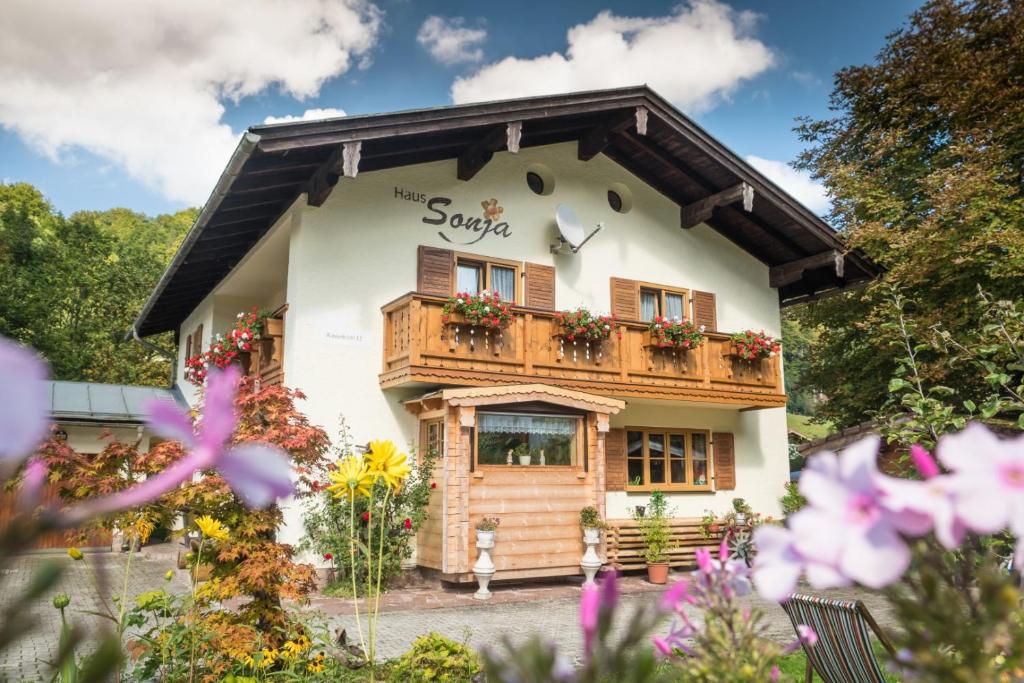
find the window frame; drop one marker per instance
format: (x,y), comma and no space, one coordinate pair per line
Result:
(661,291)
(487,263)
(425,441)
(687,433)
(578,457)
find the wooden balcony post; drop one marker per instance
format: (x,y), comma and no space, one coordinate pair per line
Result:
(529,334)
(417,323)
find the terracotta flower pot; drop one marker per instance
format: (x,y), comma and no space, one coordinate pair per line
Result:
(714,528)
(658,572)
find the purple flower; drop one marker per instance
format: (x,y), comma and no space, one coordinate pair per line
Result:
(590,607)
(257,473)
(676,595)
(846,526)
(26,407)
(777,565)
(924,462)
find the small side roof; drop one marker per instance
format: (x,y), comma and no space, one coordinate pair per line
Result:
(105,403)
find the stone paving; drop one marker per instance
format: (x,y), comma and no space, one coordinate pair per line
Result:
(515,612)
(28,658)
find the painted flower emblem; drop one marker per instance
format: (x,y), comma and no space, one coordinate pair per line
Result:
(491,209)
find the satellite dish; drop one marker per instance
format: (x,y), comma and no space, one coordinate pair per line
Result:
(570,230)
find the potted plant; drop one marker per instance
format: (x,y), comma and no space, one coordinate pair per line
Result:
(657,537)
(484,309)
(709,526)
(675,334)
(592,524)
(750,345)
(742,510)
(485,529)
(522,451)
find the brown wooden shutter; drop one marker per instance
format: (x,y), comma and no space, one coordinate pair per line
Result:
(188,347)
(435,271)
(197,342)
(540,286)
(723,446)
(705,311)
(625,299)
(615,460)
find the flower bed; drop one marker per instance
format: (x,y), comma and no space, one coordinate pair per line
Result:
(675,334)
(583,325)
(484,309)
(750,345)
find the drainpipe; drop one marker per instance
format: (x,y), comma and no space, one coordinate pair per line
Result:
(173,357)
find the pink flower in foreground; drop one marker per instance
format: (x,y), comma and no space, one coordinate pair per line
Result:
(918,507)
(924,462)
(590,607)
(26,407)
(987,480)
(257,473)
(846,526)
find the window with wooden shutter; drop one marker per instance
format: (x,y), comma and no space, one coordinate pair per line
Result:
(723,447)
(615,460)
(435,271)
(705,310)
(625,298)
(188,347)
(540,286)
(197,341)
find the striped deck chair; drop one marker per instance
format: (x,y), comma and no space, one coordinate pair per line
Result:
(843,652)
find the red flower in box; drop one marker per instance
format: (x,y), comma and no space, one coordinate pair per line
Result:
(582,324)
(750,345)
(478,309)
(675,334)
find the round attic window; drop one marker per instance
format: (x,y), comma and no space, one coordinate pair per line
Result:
(535,182)
(620,198)
(614,200)
(539,179)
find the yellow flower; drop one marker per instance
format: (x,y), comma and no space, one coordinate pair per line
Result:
(385,462)
(269,657)
(317,664)
(212,528)
(169,575)
(294,648)
(351,478)
(75,553)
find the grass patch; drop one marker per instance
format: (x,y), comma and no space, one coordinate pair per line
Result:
(803,425)
(793,667)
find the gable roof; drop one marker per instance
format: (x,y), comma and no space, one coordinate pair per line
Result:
(274,164)
(105,403)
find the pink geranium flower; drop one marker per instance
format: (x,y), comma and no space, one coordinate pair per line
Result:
(26,408)
(922,506)
(846,525)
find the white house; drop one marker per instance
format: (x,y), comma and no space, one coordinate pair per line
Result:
(356,231)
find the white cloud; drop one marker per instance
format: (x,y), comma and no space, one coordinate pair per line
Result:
(805,189)
(449,41)
(142,84)
(308,115)
(694,57)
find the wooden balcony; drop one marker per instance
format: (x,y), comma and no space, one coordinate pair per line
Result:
(421,349)
(266,360)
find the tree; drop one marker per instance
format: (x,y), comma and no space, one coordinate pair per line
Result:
(70,287)
(924,159)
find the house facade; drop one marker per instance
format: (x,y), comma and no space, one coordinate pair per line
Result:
(356,231)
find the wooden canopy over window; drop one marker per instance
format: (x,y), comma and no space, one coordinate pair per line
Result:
(275,165)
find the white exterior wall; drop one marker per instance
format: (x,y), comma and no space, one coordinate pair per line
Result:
(358,251)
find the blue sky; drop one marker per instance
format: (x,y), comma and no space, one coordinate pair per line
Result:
(89,123)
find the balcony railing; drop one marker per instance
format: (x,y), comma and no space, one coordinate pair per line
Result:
(420,348)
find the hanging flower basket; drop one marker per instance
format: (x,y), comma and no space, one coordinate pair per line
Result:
(220,355)
(681,335)
(750,345)
(249,328)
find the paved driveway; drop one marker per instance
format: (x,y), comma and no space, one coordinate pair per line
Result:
(27,659)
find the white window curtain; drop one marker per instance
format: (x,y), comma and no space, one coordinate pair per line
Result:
(674,306)
(648,305)
(546,425)
(468,278)
(503,282)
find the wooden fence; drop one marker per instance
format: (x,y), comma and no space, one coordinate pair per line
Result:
(626,545)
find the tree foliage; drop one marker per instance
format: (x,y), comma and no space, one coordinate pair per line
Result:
(70,287)
(924,159)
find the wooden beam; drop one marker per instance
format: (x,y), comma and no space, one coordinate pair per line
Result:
(480,153)
(702,209)
(791,272)
(343,162)
(595,140)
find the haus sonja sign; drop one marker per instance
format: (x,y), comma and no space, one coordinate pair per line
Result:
(459,227)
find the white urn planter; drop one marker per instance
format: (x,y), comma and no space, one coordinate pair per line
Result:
(483,570)
(525,459)
(591,562)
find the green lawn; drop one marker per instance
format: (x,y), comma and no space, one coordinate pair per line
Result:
(794,666)
(803,424)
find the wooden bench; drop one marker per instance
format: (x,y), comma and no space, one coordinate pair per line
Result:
(626,545)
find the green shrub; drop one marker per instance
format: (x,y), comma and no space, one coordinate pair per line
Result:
(436,658)
(655,530)
(793,500)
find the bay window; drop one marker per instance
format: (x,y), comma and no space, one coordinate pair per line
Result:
(512,438)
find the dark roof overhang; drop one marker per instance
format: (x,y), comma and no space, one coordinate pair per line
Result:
(275,164)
